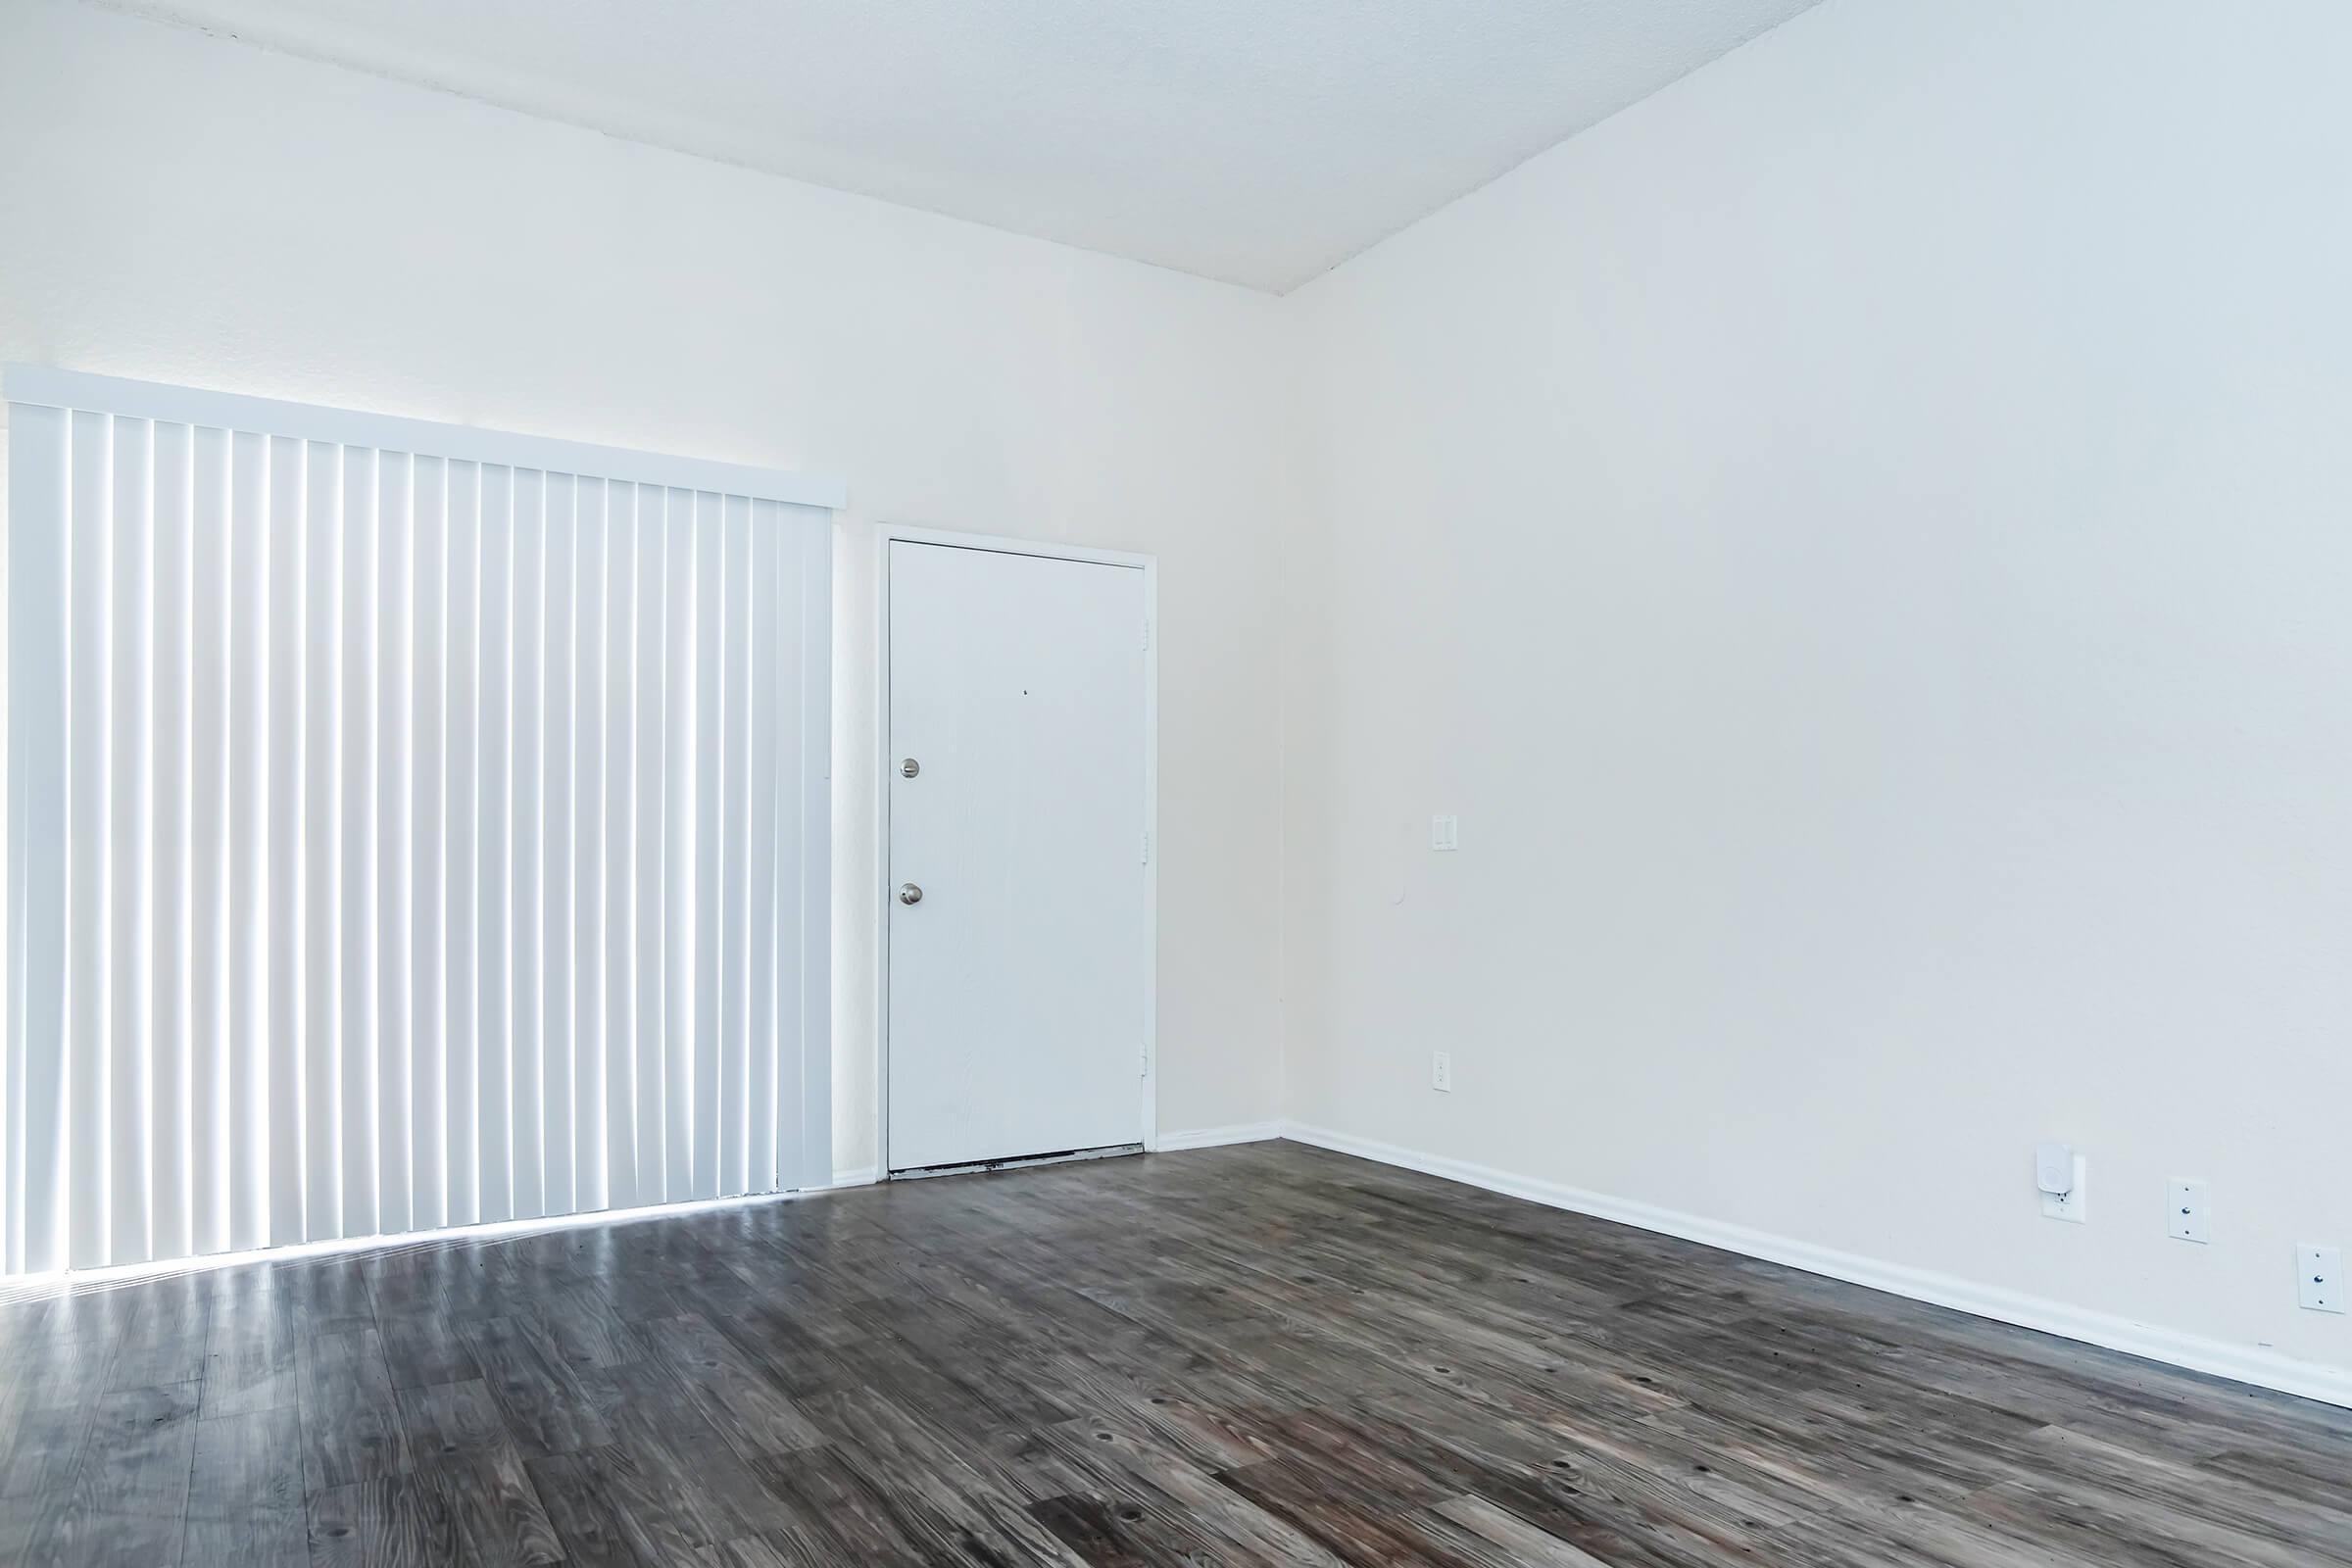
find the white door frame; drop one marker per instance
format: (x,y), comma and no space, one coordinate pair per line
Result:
(889,534)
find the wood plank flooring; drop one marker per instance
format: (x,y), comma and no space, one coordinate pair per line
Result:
(1263,1355)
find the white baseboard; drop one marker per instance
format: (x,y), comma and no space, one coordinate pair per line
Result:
(863,1176)
(1243,1132)
(2266,1369)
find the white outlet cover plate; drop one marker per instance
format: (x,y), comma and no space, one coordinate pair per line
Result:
(1441,1071)
(2071,1206)
(2320,1277)
(2187,1215)
(1445,833)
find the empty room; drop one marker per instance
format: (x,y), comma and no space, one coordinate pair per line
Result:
(811,783)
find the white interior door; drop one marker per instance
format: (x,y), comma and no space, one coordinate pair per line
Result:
(1018,980)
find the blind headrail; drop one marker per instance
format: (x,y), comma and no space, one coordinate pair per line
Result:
(42,386)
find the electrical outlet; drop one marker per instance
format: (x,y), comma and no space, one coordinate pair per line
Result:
(1445,833)
(2186,1212)
(2069,1205)
(1441,1071)
(2320,1277)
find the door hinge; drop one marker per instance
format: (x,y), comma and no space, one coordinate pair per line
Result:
(1146,636)
(1142,1064)
(1147,847)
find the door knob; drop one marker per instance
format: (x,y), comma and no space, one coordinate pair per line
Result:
(909,892)
(910,768)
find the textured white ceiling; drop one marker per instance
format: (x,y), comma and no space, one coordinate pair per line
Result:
(1258,141)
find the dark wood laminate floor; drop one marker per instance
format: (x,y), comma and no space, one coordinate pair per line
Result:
(1266,1354)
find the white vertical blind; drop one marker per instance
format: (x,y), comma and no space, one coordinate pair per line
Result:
(361,589)
(461,893)
(622,913)
(169,1221)
(395,891)
(249,778)
(403,832)
(213,585)
(526,1075)
(89,475)
(559,1105)
(428,841)
(129,1069)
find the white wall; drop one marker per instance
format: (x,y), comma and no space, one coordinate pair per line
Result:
(1864,541)
(184,208)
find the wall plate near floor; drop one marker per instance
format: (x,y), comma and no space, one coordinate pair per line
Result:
(2069,1205)
(2186,1211)
(2320,1277)
(1441,1071)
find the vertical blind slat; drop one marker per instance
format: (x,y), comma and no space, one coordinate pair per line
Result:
(395,866)
(396,842)
(168,807)
(791,857)
(212,587)
(648,899)
(361,587)
(812,542)
(321,817)
(130,772)
(251,774)
(680,737)
(39,508)
(734,1006)
(587,848)
(429,840)
(708,761)
(494,712)
(461,1075)
(282,1071)
(763,719)
(621,817)
(91,538)
(527,1071)
(557,1105)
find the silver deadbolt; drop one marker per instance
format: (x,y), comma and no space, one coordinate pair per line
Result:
(910,768)
(909,892)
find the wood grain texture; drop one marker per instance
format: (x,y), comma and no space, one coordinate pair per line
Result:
(1264,1354)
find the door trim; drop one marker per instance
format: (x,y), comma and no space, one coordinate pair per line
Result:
(887,535)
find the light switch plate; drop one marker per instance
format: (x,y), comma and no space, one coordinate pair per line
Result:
(2320,1277)
(2186,1215)
(2071,1204)
(1444,833)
